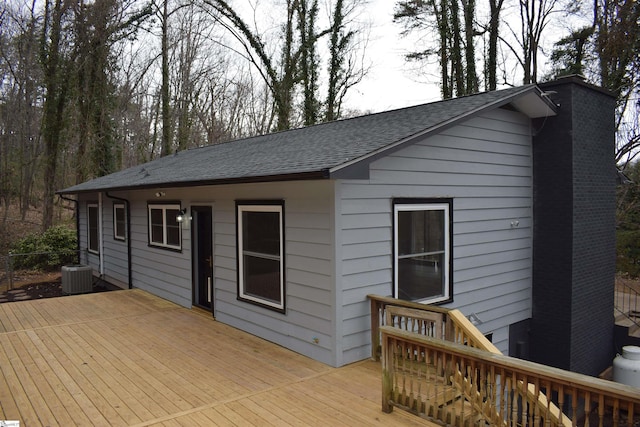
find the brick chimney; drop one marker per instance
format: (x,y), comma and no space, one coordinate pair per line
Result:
(574,229)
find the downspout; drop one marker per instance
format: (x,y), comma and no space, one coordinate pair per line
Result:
(128,214)
(100,235)
(77,211)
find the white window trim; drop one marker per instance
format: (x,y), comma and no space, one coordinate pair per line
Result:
(97,207)
(164,208)
(260,208)
(446,268)
(116,236)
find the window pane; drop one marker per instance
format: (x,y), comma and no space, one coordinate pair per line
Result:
(173,227)
(157,234)
(156,217)
(173,235)
(420,231)
(261,232)
(172,214)
(262,278)
(422,259)
(421,277)
(119,222)
(157,229)
(93,228)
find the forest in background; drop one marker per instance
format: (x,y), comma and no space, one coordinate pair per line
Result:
(90,87)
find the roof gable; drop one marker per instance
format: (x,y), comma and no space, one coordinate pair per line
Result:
(321,151)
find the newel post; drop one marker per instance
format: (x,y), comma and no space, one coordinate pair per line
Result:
(375,328)
(387,374)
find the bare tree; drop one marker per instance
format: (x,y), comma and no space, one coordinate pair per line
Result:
(294,68)
(455,41)
(535,16)
(607,51)
(20,111)
(617,48)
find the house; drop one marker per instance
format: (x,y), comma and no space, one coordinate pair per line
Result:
(500,204)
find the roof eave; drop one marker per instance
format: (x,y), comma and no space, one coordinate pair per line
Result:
(299,176)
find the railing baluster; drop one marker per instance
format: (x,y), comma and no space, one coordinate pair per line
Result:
(439,370)
(422,367)
(463,367)
(548,405)
(536,410)
(601,409)
(404,374)
(587,410)
(561,401)
(514,404)
(501,390)
(574,406)
(526,407)
(483,395)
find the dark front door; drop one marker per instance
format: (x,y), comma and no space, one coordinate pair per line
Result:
(202,232)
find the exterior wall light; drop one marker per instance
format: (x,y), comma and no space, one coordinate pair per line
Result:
(182,216)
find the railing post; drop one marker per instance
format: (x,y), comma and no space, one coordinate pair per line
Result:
(375,329)
(387,375)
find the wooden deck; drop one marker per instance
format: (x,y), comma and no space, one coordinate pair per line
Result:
(128,358)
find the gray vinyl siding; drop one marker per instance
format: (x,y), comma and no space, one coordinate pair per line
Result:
(309,260)
(485,166)
(161,271)
(115,251)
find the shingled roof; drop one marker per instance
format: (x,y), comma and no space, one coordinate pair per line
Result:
(326,150)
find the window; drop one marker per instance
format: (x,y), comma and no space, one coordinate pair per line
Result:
(422,250)
(261,254)
(93,228)
(119,222)
(164,229)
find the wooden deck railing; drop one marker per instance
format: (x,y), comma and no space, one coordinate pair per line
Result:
(460,385)
(464,384)
(453,325)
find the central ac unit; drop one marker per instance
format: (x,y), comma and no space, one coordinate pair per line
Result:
(77,279)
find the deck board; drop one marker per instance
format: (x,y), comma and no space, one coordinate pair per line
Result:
(128,358)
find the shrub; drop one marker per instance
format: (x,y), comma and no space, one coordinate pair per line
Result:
(46,251)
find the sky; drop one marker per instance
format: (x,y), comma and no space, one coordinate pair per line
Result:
(390,83)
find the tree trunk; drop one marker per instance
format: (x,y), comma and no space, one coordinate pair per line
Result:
(494,32)
(469,52)
(166,100)
(56,93)
(335,61)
